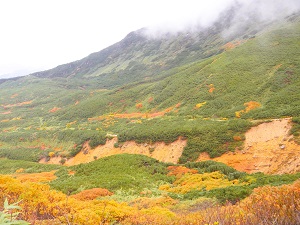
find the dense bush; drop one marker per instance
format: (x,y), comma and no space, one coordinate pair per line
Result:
(21,154)
(128,172)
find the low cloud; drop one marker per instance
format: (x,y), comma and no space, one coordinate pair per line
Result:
(260,11)
(194,15)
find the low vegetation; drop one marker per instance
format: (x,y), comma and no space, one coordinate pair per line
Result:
(134,189)
(207,92)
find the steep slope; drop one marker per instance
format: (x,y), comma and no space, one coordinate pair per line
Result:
(263,69)
(268,148)
(209,102)
(169,153)
(143,56)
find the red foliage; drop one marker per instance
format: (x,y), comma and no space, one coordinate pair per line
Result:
(54,109)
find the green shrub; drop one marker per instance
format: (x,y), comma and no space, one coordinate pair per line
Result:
(7,216)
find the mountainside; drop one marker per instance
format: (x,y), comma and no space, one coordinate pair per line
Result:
(209,100)
(184,128)
(143,56)
(124,61)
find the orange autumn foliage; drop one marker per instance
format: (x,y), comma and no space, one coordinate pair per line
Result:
(211,88)
(178,105)
(135,114)
(248,107)
(14,95)
(231,45)
(139,105)
(279,203)
(251,105)
(169,109)
(266,205)
(237,138)
(150,99)
(41,206)
(36,177)
(92,194)
(155,215)
(17,104)
(6,113)
(180,170)
(54,109)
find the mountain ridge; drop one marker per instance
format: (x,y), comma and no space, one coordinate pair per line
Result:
(139,51)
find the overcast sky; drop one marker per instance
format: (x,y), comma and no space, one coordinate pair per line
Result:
(41,34)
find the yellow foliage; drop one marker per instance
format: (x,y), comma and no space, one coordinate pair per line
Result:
(16,118)
(21,170)
(164,187)
(41,205)
(51,154)
(39,202)
(208,181)
(144,202)
(248,107)
(199,105)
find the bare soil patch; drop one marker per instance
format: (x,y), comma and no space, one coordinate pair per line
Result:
(268,148)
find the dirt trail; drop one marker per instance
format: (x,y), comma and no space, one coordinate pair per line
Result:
(268,148)
(158,150)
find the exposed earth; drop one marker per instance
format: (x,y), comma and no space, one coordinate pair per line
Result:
(159,150)
(268,148)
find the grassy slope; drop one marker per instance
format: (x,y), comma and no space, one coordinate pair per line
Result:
(8,166)
(245,73)
(264,69)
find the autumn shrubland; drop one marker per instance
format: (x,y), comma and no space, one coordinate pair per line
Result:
(215,98)
(264,202)
(202,89)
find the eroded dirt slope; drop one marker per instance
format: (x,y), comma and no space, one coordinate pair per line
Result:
(159,150)
(268,148)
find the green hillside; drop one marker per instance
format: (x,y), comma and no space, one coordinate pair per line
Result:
(201,89)
(208,98)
